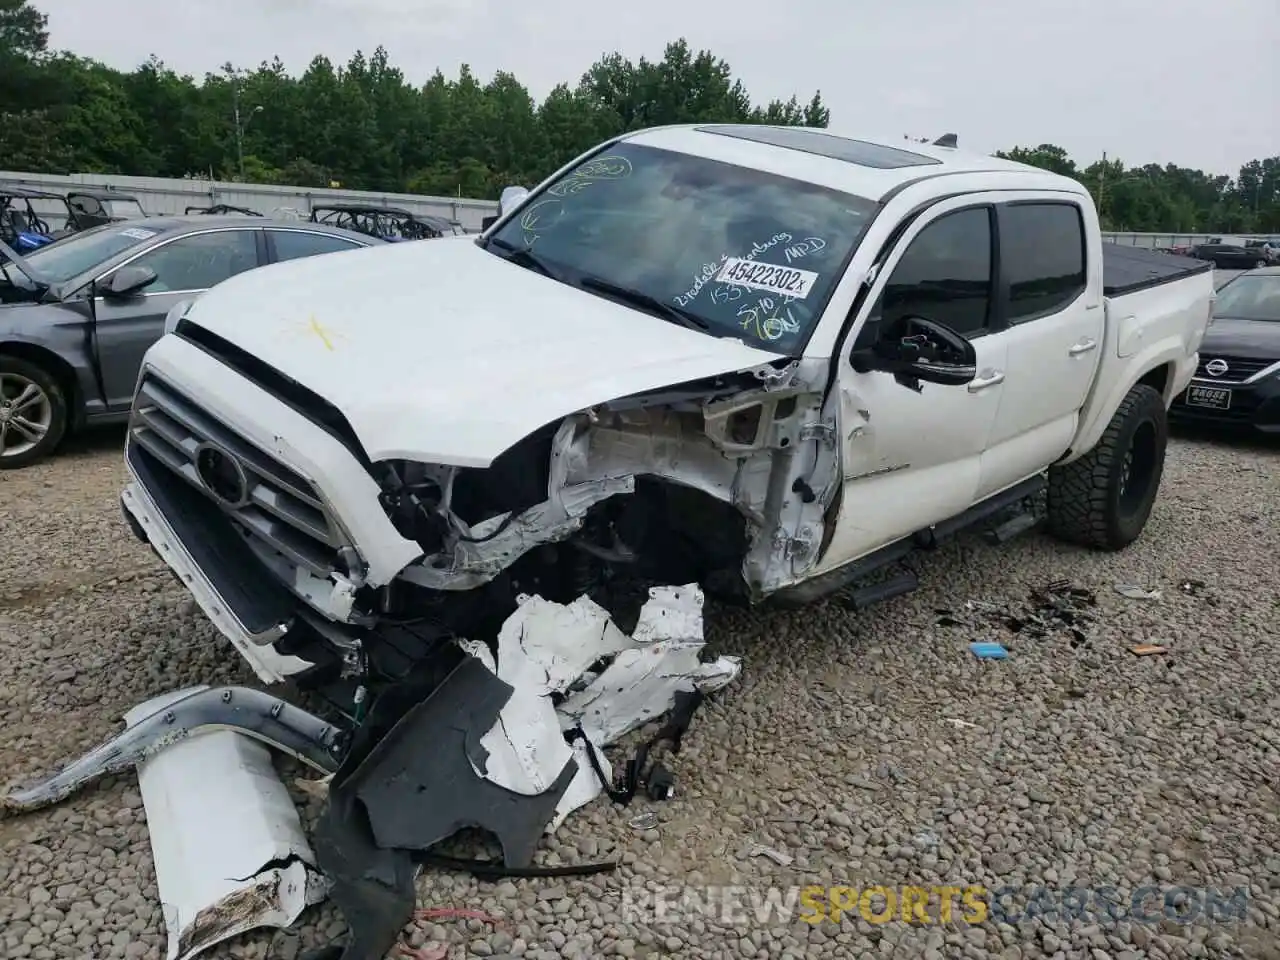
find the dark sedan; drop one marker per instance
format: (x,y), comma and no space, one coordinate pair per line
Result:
(1230,256)
(77,315)
(1238,381)
(1267,248)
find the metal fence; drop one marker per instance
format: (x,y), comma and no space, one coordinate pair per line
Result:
(1172,239)
(165,196)
(168,196)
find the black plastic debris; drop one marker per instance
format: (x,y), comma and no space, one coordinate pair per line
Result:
(1058,607)
(419,784)
(408,782)
(496,870)
(946,619)
(657,781)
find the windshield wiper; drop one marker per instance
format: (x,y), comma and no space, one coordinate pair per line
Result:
(524,257)
(638,298)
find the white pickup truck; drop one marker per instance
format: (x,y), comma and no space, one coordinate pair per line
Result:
(770,360)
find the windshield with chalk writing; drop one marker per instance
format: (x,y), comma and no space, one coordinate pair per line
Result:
(734,251)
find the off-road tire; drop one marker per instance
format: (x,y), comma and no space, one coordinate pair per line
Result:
(57,401)
(1103,499)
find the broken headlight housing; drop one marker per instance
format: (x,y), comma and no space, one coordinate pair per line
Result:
(411,495)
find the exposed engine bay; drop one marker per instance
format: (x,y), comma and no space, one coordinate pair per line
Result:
(724,483)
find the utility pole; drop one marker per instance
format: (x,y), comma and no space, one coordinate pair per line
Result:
(1102,187)
(235,109)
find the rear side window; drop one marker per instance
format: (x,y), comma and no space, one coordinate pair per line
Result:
(295,244)
(1042,255)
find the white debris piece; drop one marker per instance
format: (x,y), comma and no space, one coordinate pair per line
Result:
(547,648)
(218,816)
(641,683)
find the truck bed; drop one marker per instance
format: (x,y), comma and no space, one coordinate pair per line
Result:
(1128,269)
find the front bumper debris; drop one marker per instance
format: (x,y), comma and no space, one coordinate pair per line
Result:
(251,712)
(409,782)
(217,812)
(510,744)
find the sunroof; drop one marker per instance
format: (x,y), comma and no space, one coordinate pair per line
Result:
(824,145)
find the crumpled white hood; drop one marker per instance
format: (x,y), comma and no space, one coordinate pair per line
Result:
(444,353)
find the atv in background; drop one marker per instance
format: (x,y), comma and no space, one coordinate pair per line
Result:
(445,226)
(388,223)
(30,219)
(92,208)
(221,210)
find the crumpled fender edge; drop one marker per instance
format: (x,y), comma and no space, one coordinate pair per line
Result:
(255,714)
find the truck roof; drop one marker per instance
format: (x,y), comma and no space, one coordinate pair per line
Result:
(865,166)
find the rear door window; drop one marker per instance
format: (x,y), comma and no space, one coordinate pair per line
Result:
(296,244)
(1042,256)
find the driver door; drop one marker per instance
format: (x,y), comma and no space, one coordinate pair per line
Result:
(912,459)
(185,267)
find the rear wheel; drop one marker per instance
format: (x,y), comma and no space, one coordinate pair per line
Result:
(33,413)
(1103,499)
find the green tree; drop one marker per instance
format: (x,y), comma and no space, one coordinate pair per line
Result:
(1047,156)
(1170,199)
(363,124)
(23,29)
(23,41)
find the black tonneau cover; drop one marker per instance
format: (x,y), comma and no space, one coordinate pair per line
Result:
(1127,269)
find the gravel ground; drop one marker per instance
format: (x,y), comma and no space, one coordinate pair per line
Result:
(1085,765)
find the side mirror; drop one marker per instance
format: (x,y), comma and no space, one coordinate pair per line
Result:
(511,197)
(127,281)
(919,349)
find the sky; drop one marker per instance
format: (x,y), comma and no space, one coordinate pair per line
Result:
(1166,81)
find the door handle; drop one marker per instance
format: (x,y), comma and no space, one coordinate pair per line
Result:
(989,378)
(1084,346)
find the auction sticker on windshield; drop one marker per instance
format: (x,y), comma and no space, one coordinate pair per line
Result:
(137,233)
(787,281)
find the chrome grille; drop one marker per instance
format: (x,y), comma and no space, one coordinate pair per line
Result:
(281,510)
(1239,369)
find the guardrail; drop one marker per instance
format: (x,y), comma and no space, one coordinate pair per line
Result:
(160,195)
(172,196)
(1172,239)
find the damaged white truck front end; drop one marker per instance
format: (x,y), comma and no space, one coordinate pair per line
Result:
(462,450)
(471,493)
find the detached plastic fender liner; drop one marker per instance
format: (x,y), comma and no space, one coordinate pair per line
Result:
(414,776)
(255,714)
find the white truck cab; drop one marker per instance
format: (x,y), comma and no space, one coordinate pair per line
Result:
(772,360)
